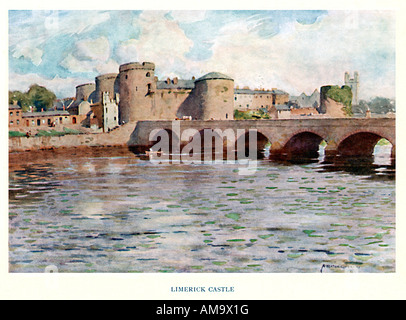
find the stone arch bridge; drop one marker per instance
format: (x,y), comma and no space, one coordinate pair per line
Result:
(349,136)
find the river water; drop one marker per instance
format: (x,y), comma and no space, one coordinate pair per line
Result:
(109,210)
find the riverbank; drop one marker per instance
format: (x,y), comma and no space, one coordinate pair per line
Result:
(116,138)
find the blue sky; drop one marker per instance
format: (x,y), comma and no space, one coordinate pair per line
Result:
(296,51)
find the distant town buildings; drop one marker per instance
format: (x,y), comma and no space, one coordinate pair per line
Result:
(305,101)
(247,99)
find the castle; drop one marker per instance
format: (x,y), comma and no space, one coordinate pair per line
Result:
(135,93)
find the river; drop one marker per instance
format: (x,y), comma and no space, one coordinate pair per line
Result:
(109,210)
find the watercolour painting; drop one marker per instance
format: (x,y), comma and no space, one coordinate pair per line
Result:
(203,141)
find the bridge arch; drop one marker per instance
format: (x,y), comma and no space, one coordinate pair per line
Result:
(243,140)
(164,139)
(361,143)
(212,140)
(304,143)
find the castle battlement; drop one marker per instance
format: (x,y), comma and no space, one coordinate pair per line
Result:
(136,66)
(107,76)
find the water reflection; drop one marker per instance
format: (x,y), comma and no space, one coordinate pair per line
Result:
(110,210)
(380,165)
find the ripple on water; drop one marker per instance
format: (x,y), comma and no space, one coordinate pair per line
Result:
(125,216)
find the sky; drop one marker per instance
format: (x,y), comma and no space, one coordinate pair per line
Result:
(295,51)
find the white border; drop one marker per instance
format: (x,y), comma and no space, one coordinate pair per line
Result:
(248,286)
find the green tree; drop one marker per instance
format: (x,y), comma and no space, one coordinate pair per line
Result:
(40,97)
(342,95)
(37,96)
(381,105)
(22,99)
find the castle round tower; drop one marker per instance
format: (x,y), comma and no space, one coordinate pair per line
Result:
(84,91)
(215,93)
(106,83)
(137,88)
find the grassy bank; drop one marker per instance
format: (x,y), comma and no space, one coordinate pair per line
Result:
(45,133)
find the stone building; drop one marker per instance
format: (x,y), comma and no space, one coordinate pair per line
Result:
(139,95)
(105,113)
(247,99)
(15,116)
(332,108)
(353,83)
(305,101)
(51,118)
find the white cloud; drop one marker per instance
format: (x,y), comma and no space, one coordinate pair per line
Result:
(110,66)
(90,55)
(29,51)
(27,37)
(73,64)
(305,57)
(162,41)
(127,51)
(93,49)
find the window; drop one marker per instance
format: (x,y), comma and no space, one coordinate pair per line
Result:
(18,122)
(38,122)
(226,115)
(11,122)
(148,74)
(11,114)
(74,120)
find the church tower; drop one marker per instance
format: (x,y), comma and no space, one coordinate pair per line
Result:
(353,83)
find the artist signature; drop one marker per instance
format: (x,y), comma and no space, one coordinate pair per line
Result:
(335,266)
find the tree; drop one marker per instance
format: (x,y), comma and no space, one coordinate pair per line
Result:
(381,105)
(341,95)
(21,98)
(37,96)
(41,97)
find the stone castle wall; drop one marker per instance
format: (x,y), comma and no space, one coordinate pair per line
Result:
(137,88)
(209,97)
(106,83)
(216,98)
